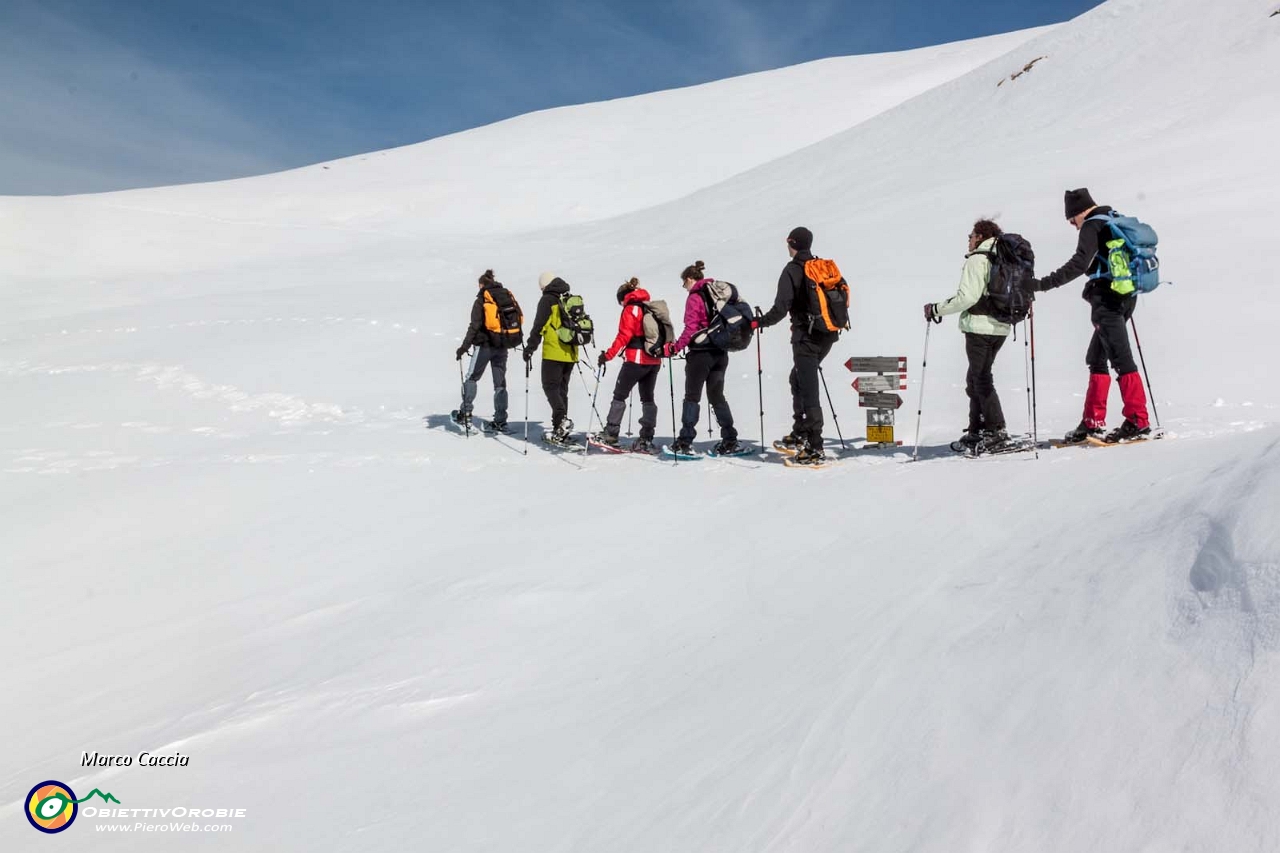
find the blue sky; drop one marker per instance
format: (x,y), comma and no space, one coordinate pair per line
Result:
(112,94)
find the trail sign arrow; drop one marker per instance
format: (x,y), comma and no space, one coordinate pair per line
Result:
(877,364)
(880,401)
(869,384)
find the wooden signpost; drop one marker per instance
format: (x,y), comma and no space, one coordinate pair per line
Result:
(875,394)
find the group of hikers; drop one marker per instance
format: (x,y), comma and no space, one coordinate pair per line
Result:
(997,286)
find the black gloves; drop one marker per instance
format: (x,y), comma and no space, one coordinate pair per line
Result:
(460,353)
(600,362)
(528,356)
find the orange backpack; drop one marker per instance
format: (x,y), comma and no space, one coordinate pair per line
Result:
(828,295)
(502,317)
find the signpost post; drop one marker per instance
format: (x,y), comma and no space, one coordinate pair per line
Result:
(876,395)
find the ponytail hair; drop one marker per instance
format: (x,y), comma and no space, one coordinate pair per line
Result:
(695,271)
(626,287)
(487,277)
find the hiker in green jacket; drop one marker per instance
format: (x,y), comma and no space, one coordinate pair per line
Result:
(558,358)
(983,338)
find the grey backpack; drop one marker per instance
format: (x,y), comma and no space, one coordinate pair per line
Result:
(658,331)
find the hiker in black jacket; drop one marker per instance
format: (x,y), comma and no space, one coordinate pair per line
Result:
(1110,312)
(810,344)
(484,333)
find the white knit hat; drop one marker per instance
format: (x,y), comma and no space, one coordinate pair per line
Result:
(545,279)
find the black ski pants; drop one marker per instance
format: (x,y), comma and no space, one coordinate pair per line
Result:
(496,359)
(807,352)
(706,368)
(555,384)
(984,403)
(1110,341)
(644,377)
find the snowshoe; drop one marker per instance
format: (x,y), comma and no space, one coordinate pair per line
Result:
(462,420)
(967,442)
(1081,434)
(563,442)
(644,445)
(607,443)
(496,428)
(788,444)
(1127,433)
(730,448)
(808,457)
(681,450)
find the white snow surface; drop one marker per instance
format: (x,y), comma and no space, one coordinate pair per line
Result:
(229,535)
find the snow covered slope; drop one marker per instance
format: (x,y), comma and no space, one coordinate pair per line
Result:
(230,536)
(539,170)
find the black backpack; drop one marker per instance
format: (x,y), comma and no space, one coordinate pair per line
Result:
(1011,287)
(502,317)
(729,318)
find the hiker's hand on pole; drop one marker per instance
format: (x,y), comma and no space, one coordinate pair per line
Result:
(460,353)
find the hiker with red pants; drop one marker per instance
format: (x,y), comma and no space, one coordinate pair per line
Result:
(1110,311)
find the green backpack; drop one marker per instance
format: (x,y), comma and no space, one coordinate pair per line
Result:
(576,328)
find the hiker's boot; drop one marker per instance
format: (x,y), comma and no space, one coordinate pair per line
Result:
(1127,431)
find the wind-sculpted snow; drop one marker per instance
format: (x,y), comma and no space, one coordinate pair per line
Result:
(241,527)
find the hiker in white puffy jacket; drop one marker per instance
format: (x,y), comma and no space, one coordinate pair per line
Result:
(983,338)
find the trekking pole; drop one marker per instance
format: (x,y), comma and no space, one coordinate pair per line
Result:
(831,406)
(1026,373)
(671,383)
(595,394)
(1035,415)
(583,377)
(924,365)
(528,368)
(462,380)
(1150,393)
(760,387)
(631,402)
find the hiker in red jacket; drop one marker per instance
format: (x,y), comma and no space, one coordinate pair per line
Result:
(638,370)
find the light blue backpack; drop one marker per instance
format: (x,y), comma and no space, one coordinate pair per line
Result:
(1130,261)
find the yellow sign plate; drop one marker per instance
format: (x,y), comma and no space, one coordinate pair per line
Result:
(879,434)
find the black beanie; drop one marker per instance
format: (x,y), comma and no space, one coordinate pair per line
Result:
(800,239)
(1077,202)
